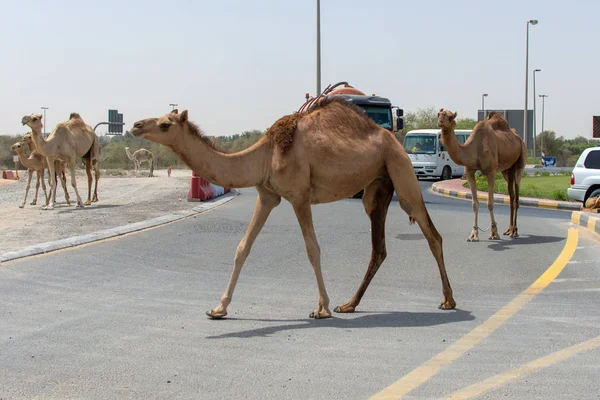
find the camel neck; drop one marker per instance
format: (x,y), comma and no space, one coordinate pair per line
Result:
(238,170)
(24,160)
(40,142)
(455,149)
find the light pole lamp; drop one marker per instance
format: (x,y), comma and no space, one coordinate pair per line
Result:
(483,96)
(543,96)
(532,22)
(534,112)
(45,122)
(173,105)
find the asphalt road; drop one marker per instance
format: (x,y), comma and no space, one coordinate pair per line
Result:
(125,318)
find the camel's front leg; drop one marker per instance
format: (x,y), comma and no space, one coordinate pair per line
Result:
(376,201)
(37,187)
(46,194)
(304,215)
(29,173)
(96,177)
(63,182)
(470,174)
(88,172)
(265,202)
(494,228)
(52,182)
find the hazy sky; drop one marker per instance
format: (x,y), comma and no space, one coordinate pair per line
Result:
(239,65)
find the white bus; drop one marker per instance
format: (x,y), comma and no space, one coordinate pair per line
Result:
(429,157)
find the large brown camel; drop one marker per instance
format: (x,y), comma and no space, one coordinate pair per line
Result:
(34,163)
(59,167)
(139,156)
(492,147)
(326,155)
(68,141)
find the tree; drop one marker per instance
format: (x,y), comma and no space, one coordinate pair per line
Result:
(465,123)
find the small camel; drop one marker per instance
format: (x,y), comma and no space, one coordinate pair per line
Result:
(59,167)
(140,156)
(69,140)
(34,163)
(325,155)
(492,147)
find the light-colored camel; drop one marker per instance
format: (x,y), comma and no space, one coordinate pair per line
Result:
(59,167)
(492,147)
(140,156)
(326,155)
(68,141)
(34,163)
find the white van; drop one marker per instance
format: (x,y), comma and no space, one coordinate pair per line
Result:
(429,157)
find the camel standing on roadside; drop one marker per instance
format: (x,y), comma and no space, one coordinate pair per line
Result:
(68,141)
(492,147)
(139,156)
(325,155)
(34,163)
(59,168)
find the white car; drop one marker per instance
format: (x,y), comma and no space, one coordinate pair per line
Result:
(585,178)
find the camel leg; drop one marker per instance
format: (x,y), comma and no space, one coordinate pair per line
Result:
(72,164)
(265,203)
(88,172)
(376,200)
(52,181)
(37,188)
(96,177)
(41,176)
(411,200)
(63,182)
(509,178)
(30,173)
(470,174)
(519,175)
(304,216)
(494,227)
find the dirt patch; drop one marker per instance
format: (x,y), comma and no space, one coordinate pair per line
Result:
(123,198)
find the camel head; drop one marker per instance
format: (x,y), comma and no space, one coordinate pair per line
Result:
(17,147)
(34,121)
(164,130)
(446,119)
(27,138)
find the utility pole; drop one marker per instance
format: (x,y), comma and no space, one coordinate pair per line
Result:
(532,22)
(45,122)
(543,96)
(318,48)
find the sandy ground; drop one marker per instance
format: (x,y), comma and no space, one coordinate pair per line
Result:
(122,199)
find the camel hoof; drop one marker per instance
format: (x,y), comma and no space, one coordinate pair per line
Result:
(344,309)
(87,203)
(215,315)
(320,314)
(33,203)
(472,239)
(514,235)
(48,207)
(22,205)
(494,237)
(447,305)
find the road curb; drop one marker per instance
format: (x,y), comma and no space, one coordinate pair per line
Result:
(541,203)
(47,247)
(586,220)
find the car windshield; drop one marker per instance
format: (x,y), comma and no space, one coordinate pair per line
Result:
(420,144)
(381,115)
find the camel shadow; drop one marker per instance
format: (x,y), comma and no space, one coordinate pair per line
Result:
(506,243)
(379,320)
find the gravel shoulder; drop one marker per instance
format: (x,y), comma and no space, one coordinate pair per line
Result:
(123,198)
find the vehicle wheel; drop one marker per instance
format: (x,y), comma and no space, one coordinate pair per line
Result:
(446,173)
(595,193)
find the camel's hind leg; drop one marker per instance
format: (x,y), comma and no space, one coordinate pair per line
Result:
(376,200)
(517,180)
(96,178)
(510,182)
(37,187)
(63,182)
(490,202)
(470,175)
(41,178)
(411,200)
(71,165)
(265,203)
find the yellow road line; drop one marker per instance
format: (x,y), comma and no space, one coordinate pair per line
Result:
(422,374)
(499,380)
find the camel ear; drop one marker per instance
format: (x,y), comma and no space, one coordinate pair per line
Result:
(184,116)
(452,116)
(441,109)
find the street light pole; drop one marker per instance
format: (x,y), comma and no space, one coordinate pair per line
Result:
(173,105)
(534,112)
(532,22)
(45,122)
(483,96)
(543,96)
(318,48)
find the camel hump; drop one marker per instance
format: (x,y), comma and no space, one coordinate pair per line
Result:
(282,131)
(74,115)
(498,122)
